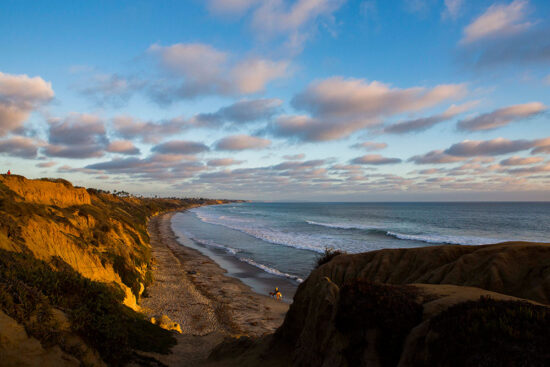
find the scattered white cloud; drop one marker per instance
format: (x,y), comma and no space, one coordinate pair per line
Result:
(242,142)
(370,146)
(452,9)
(223,162)
(375,159)
(424,123)
(147,131)
(20,146)
(521,161)
(340,107)
(230,7)
(502,117)
(497,21)
(240,112)
(182,147)
(19,96)
(109,89)
(276,16)
(294,157)
(123,147)
(76,136)
(205,70)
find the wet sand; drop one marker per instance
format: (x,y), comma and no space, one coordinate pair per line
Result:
(194,291)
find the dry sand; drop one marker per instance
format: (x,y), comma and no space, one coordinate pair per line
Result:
(192,290)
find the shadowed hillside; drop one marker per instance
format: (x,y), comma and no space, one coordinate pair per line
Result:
(73,265)
(439,305)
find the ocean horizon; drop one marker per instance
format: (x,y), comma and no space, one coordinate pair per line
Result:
(285,239)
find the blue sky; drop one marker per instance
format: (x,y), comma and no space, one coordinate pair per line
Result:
(280,99)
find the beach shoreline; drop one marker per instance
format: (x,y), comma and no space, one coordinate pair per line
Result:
(195,292)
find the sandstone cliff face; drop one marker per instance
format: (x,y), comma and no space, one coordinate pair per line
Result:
(325,327)
(60,193)
(60,235)
(75,249)
(438,305)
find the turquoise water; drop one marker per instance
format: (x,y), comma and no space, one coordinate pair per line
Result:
(285,239)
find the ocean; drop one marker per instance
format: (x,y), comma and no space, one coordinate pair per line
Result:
(285,239)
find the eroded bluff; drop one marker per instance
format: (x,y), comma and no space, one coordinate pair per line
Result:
(439,305)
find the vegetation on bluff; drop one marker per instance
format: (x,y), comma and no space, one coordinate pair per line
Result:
(490,333)
(52,250)
(30,289)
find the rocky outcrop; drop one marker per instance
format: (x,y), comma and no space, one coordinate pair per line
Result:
(164,322)
(440,305)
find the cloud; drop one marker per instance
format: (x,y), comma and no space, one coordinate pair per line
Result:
(223,162)
(242,142)
(230,7)
(19,96)
(375,159)
(531,47)
(77,129)
(425,123)
(297,165)
(530,170)
(205,70)
(305,128)
(435,157)
(370,146)
(240,112)
(252,75)
(357,98)
(498,146)
(76,136)
(180,147)
(501,117)
(46,164)
(482,150)
(123,147)
(417,6)
(275,17)
(110,89)
(295,157)
(168,168)
(339,107)
(74,152)
(497,21)
(544,149)
(151,132)
(452,9)
(520,161)
(19,146)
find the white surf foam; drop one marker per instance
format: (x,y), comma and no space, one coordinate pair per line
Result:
(271,270)
(258,230)
(452,240)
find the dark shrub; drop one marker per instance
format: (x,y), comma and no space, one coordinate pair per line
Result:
(391,310)
(30,287)
(490,333)
(328,255)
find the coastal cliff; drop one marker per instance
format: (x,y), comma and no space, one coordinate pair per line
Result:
(439,305)
(74,263)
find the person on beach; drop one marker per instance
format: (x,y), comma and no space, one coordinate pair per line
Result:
(276,294)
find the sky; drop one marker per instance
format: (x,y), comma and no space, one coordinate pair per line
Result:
(309,100)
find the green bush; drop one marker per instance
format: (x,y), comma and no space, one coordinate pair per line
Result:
(30,287)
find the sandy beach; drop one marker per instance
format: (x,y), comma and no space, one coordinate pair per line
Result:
(195,292)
